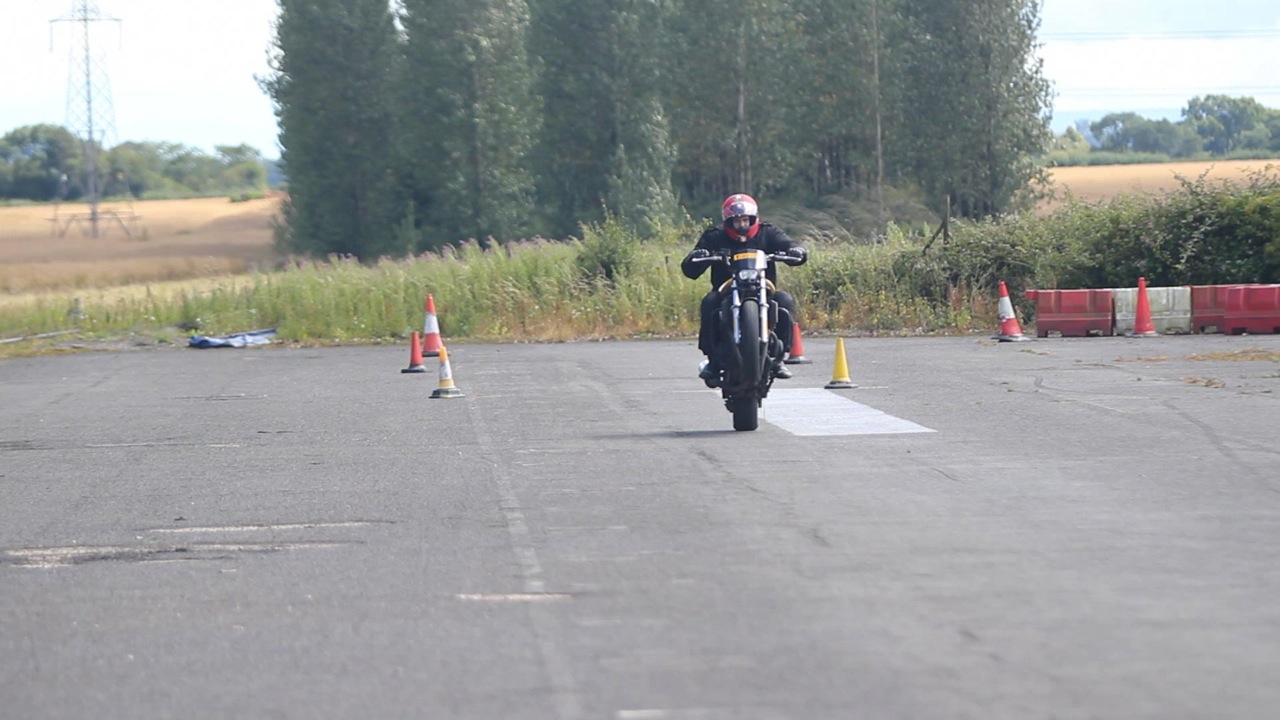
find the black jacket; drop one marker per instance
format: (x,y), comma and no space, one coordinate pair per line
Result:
(767,238)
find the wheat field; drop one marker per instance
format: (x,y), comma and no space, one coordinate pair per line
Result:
(166,240)
(1103,182)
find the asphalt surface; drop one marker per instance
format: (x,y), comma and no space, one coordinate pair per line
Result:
(1089,531)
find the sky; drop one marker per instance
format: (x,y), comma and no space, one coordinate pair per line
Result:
(1152,56)
(183,71)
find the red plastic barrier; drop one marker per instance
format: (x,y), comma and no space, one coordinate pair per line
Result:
(1073,313)
(1253,309)
(1208,304)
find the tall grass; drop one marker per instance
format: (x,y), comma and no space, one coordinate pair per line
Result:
(607,284)
(610,283)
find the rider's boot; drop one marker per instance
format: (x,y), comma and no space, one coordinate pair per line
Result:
(781,371)
(709,371)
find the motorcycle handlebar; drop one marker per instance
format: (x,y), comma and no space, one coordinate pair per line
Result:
(724,257)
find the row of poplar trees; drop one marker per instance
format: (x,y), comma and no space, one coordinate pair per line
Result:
(412,124)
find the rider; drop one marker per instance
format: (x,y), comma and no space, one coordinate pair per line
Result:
(741,229)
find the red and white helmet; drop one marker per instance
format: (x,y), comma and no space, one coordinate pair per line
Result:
(740,205)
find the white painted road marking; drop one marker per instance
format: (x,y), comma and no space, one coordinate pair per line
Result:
(816,411)
(51,557)
(514,597)
(249,528)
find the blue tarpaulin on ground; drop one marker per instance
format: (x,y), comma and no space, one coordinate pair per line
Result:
(244,339)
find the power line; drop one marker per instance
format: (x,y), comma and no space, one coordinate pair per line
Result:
(1112,35)
(1169,92)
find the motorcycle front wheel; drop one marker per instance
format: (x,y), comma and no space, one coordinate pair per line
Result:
(745,406)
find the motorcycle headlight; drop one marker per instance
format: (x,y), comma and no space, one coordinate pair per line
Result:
(749,275)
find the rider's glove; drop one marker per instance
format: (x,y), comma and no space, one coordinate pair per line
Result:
(796,256)
(699,254)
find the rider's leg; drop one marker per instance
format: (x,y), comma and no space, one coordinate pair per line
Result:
(706,330)
(786,311)
(706,335)
(788,304)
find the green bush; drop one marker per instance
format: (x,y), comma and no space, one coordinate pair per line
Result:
(608,249)
(1207,233)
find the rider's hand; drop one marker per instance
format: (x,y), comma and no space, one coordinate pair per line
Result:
(795,256)
(699,254)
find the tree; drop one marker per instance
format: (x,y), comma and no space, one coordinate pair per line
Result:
(136,168)
(736,79)
(833,120)
(38,158)
(1071,140)
(1223,120)
(974,100)
(243,167)
(6,177)
(1173,139)
(1129,132)
(1272,122)
(639,172)
(639,183)
(471,118)
(192,168)
(1115,131)
(332,84)
(576,145)
(1082,126)
(231,155)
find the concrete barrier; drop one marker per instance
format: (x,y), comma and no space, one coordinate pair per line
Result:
(1170,309)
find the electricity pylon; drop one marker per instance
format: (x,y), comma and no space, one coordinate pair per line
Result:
(90,114)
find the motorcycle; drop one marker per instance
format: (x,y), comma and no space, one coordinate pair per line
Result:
(747,345)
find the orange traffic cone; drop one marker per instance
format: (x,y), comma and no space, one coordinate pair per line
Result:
(431,345)
(415,357)
(840,374)
(1010,330)
(1142,325)
(446,388)
(796,357)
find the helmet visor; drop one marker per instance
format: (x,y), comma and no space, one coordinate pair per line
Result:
(739,208)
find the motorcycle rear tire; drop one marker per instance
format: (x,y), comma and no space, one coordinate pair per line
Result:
(745,406)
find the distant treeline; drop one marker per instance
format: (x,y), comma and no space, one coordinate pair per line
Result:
(45,163)
(1213,126)
(409,125)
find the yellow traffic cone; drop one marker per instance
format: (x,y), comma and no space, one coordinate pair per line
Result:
(840,376)
(446,388)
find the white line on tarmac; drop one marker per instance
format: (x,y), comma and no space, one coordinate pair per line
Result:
(101,446)
(51,557)
(250,528)
(515,597)
(669,714)
(817,411)
(564,690)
